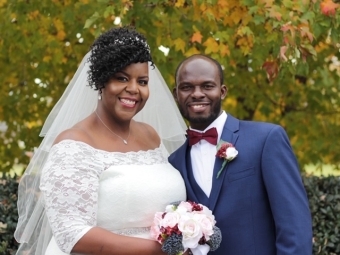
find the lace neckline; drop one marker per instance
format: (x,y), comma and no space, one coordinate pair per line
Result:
(104,151)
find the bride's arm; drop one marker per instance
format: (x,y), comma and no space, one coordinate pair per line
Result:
(70,183)
(99,241)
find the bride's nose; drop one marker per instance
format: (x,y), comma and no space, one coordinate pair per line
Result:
(132,86)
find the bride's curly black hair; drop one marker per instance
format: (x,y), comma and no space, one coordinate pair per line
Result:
(113,51)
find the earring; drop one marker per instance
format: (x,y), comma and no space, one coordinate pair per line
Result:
(100,95)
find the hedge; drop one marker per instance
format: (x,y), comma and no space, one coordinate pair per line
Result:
(8,214)
(323,194)
(324,201)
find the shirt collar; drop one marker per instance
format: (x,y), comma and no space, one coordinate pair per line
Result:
(218,123)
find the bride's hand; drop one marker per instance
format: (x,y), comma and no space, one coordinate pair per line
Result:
(188,252)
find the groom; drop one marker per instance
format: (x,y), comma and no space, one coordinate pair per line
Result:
(258,200)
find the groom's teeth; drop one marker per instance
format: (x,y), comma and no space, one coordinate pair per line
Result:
(128,102)
(198,106)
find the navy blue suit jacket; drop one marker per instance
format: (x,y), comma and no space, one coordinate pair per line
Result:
(259,200)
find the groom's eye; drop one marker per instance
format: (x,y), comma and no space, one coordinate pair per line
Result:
(208,86)
(186,87)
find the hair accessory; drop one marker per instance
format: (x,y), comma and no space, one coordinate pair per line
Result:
(124,140)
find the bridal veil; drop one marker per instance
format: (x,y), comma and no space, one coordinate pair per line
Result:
(78,101)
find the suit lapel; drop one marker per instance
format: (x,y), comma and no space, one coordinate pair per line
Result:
(228,135)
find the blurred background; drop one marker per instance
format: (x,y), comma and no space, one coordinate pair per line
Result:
(281,62)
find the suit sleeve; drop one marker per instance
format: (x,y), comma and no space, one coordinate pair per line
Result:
(287,196)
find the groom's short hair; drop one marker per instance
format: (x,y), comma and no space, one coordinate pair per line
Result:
(218,65)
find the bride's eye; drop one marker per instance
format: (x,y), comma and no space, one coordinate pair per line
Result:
(121,78)
(143,82)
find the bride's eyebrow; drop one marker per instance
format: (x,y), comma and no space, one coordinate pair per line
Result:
(143,77)
(122,72)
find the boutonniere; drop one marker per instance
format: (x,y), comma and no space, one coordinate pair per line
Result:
(226,151)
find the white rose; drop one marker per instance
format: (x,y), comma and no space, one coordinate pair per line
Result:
(191,231)
(207,212)
(231,153)
(206,224)
(170,219)
(170,208)
(184,207)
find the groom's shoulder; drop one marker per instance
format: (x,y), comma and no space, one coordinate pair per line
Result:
(259,128)
(251,126)
(179,152)
(257,124)
(236,123)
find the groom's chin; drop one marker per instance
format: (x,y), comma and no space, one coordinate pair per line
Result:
(201,119)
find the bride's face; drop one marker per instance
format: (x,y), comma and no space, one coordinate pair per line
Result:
(127,92)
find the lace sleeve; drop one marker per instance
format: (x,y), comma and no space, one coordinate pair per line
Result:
(69,184)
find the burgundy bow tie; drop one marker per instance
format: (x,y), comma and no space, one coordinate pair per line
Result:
(210,136)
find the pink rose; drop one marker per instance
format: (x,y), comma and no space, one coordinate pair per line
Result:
(155,233)
(154,230)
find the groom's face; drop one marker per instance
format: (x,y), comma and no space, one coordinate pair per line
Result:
(199,91)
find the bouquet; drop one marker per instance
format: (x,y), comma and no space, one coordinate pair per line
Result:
(186,225)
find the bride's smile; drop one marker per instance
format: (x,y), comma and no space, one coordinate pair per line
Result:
(126,92)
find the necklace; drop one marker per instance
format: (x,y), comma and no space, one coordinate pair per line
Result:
(124,140)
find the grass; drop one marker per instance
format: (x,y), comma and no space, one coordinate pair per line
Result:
(321,170)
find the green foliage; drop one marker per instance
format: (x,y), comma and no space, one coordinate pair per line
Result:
(39,39)
(281,61)
(324,201)
(8,214)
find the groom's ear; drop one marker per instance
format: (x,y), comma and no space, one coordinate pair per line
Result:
(174,93)
(224,91)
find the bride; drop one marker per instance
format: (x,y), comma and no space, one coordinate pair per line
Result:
(101,172)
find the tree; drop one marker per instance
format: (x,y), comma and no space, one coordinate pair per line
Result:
(41,43)
(281,60)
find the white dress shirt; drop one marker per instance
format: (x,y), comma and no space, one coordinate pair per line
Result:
(203,156)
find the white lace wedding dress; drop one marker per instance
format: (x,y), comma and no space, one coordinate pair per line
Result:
(85,187)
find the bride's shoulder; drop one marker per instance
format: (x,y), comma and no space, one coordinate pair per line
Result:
(72,134)
(75,133)
(147,131)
